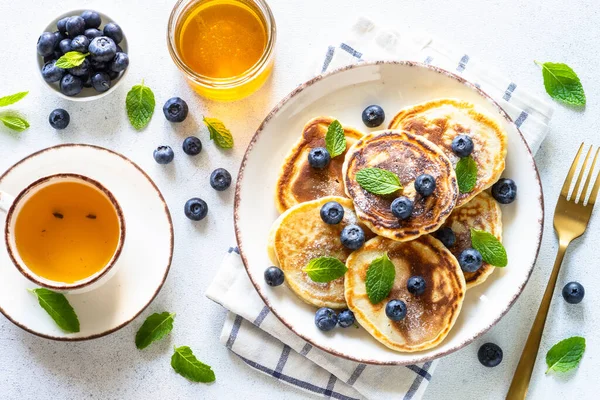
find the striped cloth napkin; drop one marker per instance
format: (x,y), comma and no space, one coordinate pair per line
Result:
(253,333)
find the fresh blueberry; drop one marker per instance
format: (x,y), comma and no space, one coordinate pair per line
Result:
(462,145)
(446,236)
(82,69)
(373,116)
(61,25)
(113,31)
(80,43)
(470,260)
(101,81)
(402,207)
(51,73)
(192,146)
(425,185)
(46,43)
(395,310)
(332,213)
(220,179)
(416,285)
(504,191)
(75,26)
(326,319)
(92,19)
(490,354)
(102,48)
(352,237)
(59,119)
(163,154)
(345,318)
(65,45)
(195,209)
(57,38)
(120,62)
(112,74)
(319,158)
(87,81)
(175,109)
(573,292)
(98,65)
(92,33)
(274,276)
(71,85)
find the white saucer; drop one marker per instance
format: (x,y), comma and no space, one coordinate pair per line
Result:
(144,262)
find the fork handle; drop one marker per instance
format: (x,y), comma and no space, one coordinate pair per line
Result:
(522,376)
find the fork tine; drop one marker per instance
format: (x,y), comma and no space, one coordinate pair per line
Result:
(589,177)
(567,185)
(581,174)
(594,194)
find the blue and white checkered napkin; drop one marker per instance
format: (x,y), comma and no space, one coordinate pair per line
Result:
(253,333)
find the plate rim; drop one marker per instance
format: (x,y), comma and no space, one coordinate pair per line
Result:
(320,77)
(172,244)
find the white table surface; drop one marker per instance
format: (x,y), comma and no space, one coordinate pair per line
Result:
(509,34)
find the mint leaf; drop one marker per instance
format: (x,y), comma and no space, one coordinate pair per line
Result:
(12,99)
(58,307)
(378,181)
(187,365)
(219,133)
(14,122)
(71,59)
(562,83)
(466,174)
(154,328)
(565,355)
(492,251)
(335,140)
(380,278)
(325,269)
(140,105)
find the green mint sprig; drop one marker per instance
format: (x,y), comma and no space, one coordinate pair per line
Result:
(335,140)
(154,328)
(378,181)
(219,133)
(12,98)
(491,249)
(380,278)
(59,308)
(140,105)
(187,365)
(566,354)
(466,174)
(562,83)
(71,59)
(12,120)
(325,269)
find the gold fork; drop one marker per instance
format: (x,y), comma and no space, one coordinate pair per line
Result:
(571,218)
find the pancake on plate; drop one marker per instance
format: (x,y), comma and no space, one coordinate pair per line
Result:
(298,236)
(481,213)
(298,181)
(430,316)
(442,120)
(408,156)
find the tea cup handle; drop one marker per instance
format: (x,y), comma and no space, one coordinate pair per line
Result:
(6,201)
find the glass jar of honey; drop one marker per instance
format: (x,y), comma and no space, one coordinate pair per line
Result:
(223,47)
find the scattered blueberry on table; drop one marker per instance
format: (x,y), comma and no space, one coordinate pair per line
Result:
(504,191)
(175,109)
(59,119)
(402,207)
(196,209)
(490,354)
(573,292)
(470,260)
(352,237)
(192,146)
(319,158)
(346,318)
(373,116)
(446,236)
(332,213)
(395,310)
(164,154)
(274,276)
(425,185)
(416,285)
(462,145)
(220,179)
(326,319)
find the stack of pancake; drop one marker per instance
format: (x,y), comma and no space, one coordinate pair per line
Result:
(418,141)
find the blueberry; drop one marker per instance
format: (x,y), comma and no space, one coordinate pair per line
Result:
(395,310)
(192,146)
(195,209)
(120,62)
(71,85)
(87,81)
(46,43)
(80,43)
(345,318)
(75,26)
(332,213)
(319,158)
(175,109)
(325,319)
(112,74)
(59,119)
(65,45)
(425,185)
(490,354)
(416,285)
(274,276)
(102,48)
(98,65)
(51,73)
(373,116)
(113,31)
(462,145)
(164,154)
(92,19)
(446,236)
(92,33)
(504,191)
(352,237)
(57,38)
(101,81)
(61,25)
(470,260)
(573,292)
(220,179)
(402,207)
(82,69)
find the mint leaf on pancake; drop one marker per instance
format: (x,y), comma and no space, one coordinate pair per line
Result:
(562,83)
(71,59)
(325,269)
(378,181)
(466,174)
(12,99)
(380,278)
(565,355)
(58,307)
(491,249)
(335,140)
(219,133)
(140,105)
(154,328)
(187,365)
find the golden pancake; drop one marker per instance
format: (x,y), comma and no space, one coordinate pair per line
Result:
(430,316)
(442,120)
(298,236)
(298,181)
(408,156)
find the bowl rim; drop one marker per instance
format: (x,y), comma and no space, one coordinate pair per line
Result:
(421,358)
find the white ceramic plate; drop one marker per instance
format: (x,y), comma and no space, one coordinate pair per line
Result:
(140,273)
(343,94)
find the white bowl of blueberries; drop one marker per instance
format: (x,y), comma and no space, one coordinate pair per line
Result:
(91,41)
